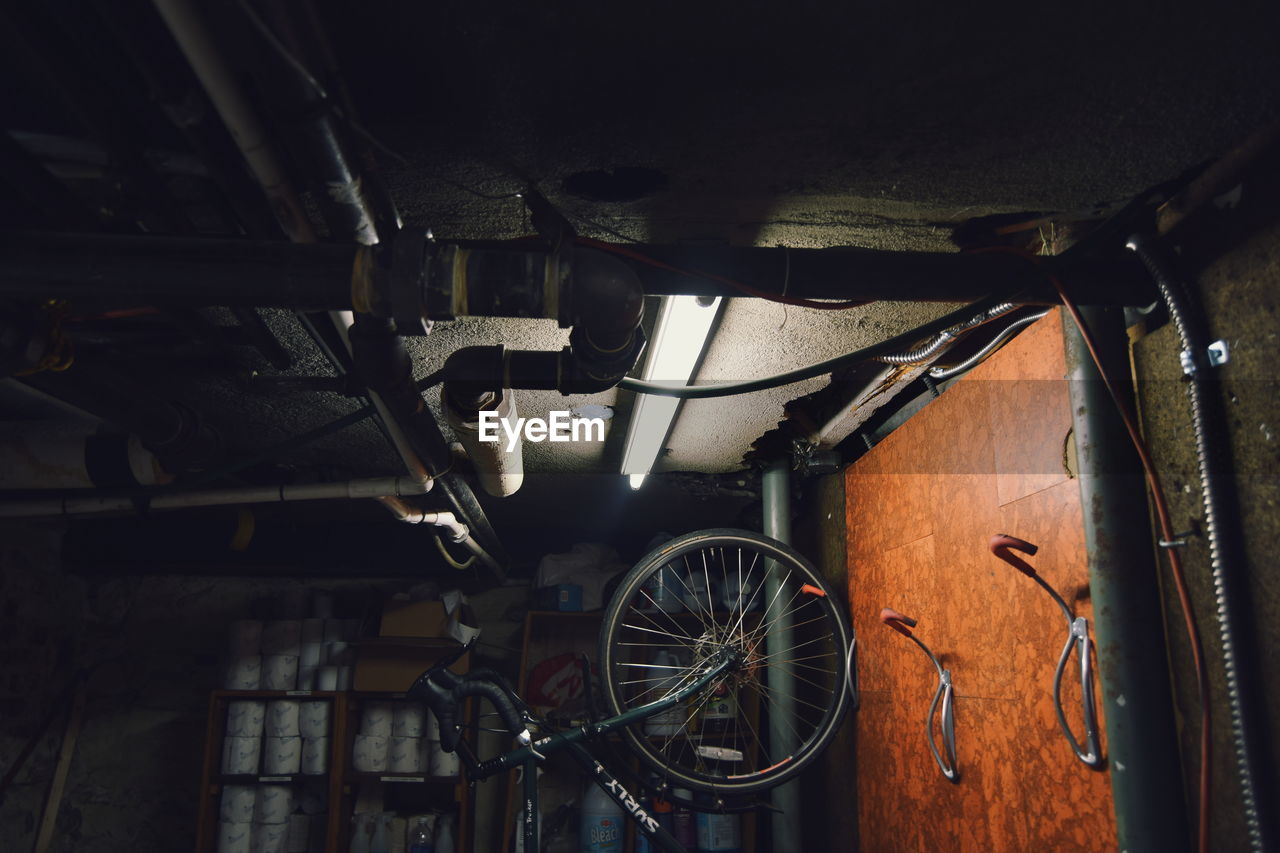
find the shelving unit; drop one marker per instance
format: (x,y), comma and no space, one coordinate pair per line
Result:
(403,792)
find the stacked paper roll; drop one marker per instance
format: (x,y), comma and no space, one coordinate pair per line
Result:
(313,719)
(245,638)
(299,833)
(280,672)
(234,837)
(344,677)
(240,755)
(408,719)
(274,804)
(237,804)
(432,724)
(283,718)
(375,719)
(439,762)
(369,754)
(281,756)
(244,672)
(399,836)
(282,637)
(246,718)
(327,678)
(270,837)
(404,754)
(315,756)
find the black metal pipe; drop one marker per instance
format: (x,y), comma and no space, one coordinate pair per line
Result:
(132,270)
(1133,667)
(183,271)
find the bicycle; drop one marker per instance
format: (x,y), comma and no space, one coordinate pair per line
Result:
(728,612)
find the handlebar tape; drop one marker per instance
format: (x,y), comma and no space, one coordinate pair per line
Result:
(1002,545)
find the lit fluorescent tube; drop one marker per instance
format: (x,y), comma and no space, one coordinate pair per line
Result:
(679,338)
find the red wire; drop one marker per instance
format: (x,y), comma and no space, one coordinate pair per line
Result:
(625,252)
(1175,564)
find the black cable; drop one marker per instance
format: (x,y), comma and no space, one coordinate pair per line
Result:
(897,342)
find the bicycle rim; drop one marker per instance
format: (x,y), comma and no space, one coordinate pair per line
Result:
(759,724)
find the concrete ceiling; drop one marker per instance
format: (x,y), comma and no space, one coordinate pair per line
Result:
(873,124)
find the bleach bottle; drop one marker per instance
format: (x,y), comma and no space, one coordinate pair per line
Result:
(601,828)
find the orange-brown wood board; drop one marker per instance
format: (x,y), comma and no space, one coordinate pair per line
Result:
(986,457)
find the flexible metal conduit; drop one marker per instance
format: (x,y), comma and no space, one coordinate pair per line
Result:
(946,337)
(1222,530)
(990,347)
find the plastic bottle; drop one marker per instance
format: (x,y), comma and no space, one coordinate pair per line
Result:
(719,833)
(420,837)
(684,824)
(720,713)
(664,673)
(444,834)
(662,592)
(381,841)
(601,822)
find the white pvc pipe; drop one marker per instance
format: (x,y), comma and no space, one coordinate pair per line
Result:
(376,487)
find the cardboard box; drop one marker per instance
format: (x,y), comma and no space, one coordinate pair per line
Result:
(391,665)
(405,618)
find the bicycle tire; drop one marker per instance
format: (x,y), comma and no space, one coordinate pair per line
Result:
(765,744)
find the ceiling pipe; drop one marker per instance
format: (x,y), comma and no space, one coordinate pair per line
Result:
(378,487)
(344,195)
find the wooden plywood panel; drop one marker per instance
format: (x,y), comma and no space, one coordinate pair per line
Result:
(982,459)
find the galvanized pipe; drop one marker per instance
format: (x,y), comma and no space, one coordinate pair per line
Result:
(776,498)
(1133,668)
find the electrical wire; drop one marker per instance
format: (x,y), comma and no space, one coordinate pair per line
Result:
(448,558)
(625,252)
(890,345)
(1175,561)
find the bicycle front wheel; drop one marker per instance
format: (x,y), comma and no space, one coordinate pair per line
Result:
(771,715)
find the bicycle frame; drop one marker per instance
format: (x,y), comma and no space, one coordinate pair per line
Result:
(572,740)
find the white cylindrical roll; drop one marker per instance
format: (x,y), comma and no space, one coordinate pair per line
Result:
(280,672)
(274,805)
(299,833)
(327,678)
(281,756)
(399,836)
(312,631)
(441,763)
(315,756)
(282,637)
(337,653)
(240,755)
(234,837)
(307,677)
(375,719)
(243,673)
(313,719)
(245,638)
(322,604)
(370,754)
(344,677)
(335,630)
(311,654)
(282,718)
(404,754)
(407,719)
(237,802)
(431,728)
(270,837)
(246,717)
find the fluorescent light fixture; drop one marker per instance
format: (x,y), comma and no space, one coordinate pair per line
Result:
(679,338)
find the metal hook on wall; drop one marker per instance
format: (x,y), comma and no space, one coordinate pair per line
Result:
(942,696)
(1002,546)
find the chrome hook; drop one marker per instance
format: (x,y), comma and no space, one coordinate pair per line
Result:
(1002,545)
(944,695)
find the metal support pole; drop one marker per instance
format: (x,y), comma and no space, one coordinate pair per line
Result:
(1133,667)
(776,497)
